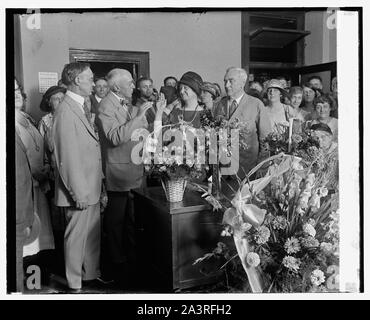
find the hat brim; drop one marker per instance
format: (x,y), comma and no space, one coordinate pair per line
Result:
(283,92)
(191,85)
(44,105)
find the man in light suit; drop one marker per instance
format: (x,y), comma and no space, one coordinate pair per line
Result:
(79,176)
(117,120)
(238,104)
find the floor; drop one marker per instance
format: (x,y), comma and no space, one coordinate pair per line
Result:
(57,283)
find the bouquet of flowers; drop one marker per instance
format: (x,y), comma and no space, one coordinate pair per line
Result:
(168,160)
(284,225)
(301,144)
(222,137)
(219,124)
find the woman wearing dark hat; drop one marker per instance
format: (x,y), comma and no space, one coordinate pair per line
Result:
(49,103)
(210,93)
(190,90)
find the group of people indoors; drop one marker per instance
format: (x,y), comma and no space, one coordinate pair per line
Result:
(82,146)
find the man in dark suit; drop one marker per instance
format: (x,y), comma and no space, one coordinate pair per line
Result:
(79,176)
(238,104)
(101,89)
(146,93)
(117,120)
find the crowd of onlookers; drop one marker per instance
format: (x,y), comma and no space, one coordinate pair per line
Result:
(74,167)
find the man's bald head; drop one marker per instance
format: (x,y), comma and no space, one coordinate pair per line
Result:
(121,83)
(235,80)
(117,74)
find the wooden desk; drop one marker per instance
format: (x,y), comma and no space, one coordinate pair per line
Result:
(171,236)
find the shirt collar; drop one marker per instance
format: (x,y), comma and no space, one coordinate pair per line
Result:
(237,99)
(98,98)
(119,98)
(76,97)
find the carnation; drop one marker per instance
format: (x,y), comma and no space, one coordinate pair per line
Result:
(310,178)
(296,138)
(245,226)
(279,223)
(309,229)
(291,263)
(327,247)
(227,232)
(253,259)
(315,202)
(317,277)
(309,242)
(323,192)
(292,245)
(262,235)
(220,248)
(303,200)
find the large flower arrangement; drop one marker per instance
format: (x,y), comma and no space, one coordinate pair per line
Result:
(284,225)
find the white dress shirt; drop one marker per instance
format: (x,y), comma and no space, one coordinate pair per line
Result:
(98,98)
(237,100)
(76,97)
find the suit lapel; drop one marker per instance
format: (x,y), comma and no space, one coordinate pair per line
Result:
(239,108)
(122,109)
(77,110)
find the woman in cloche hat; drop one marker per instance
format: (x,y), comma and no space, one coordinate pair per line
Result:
(275,115)
(190,90)
(49,103)
(210,93)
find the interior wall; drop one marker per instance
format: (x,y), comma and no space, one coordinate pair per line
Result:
(43,50)
(178,42)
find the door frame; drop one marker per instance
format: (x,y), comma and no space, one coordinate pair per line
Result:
(139,57)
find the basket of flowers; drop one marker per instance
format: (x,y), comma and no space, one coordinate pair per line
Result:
(173,163)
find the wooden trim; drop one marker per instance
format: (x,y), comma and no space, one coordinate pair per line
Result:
(139,57)
(245,41)
(18,63)
(329,66)
(271,65)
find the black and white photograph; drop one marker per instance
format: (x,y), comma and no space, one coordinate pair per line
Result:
(195,149)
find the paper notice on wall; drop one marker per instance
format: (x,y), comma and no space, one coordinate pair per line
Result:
(46,80)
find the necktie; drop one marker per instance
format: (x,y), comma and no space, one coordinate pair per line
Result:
(127,107)
(232,107)
(87,111)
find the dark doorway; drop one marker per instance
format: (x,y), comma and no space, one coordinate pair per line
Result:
(100,68)
(102,61)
